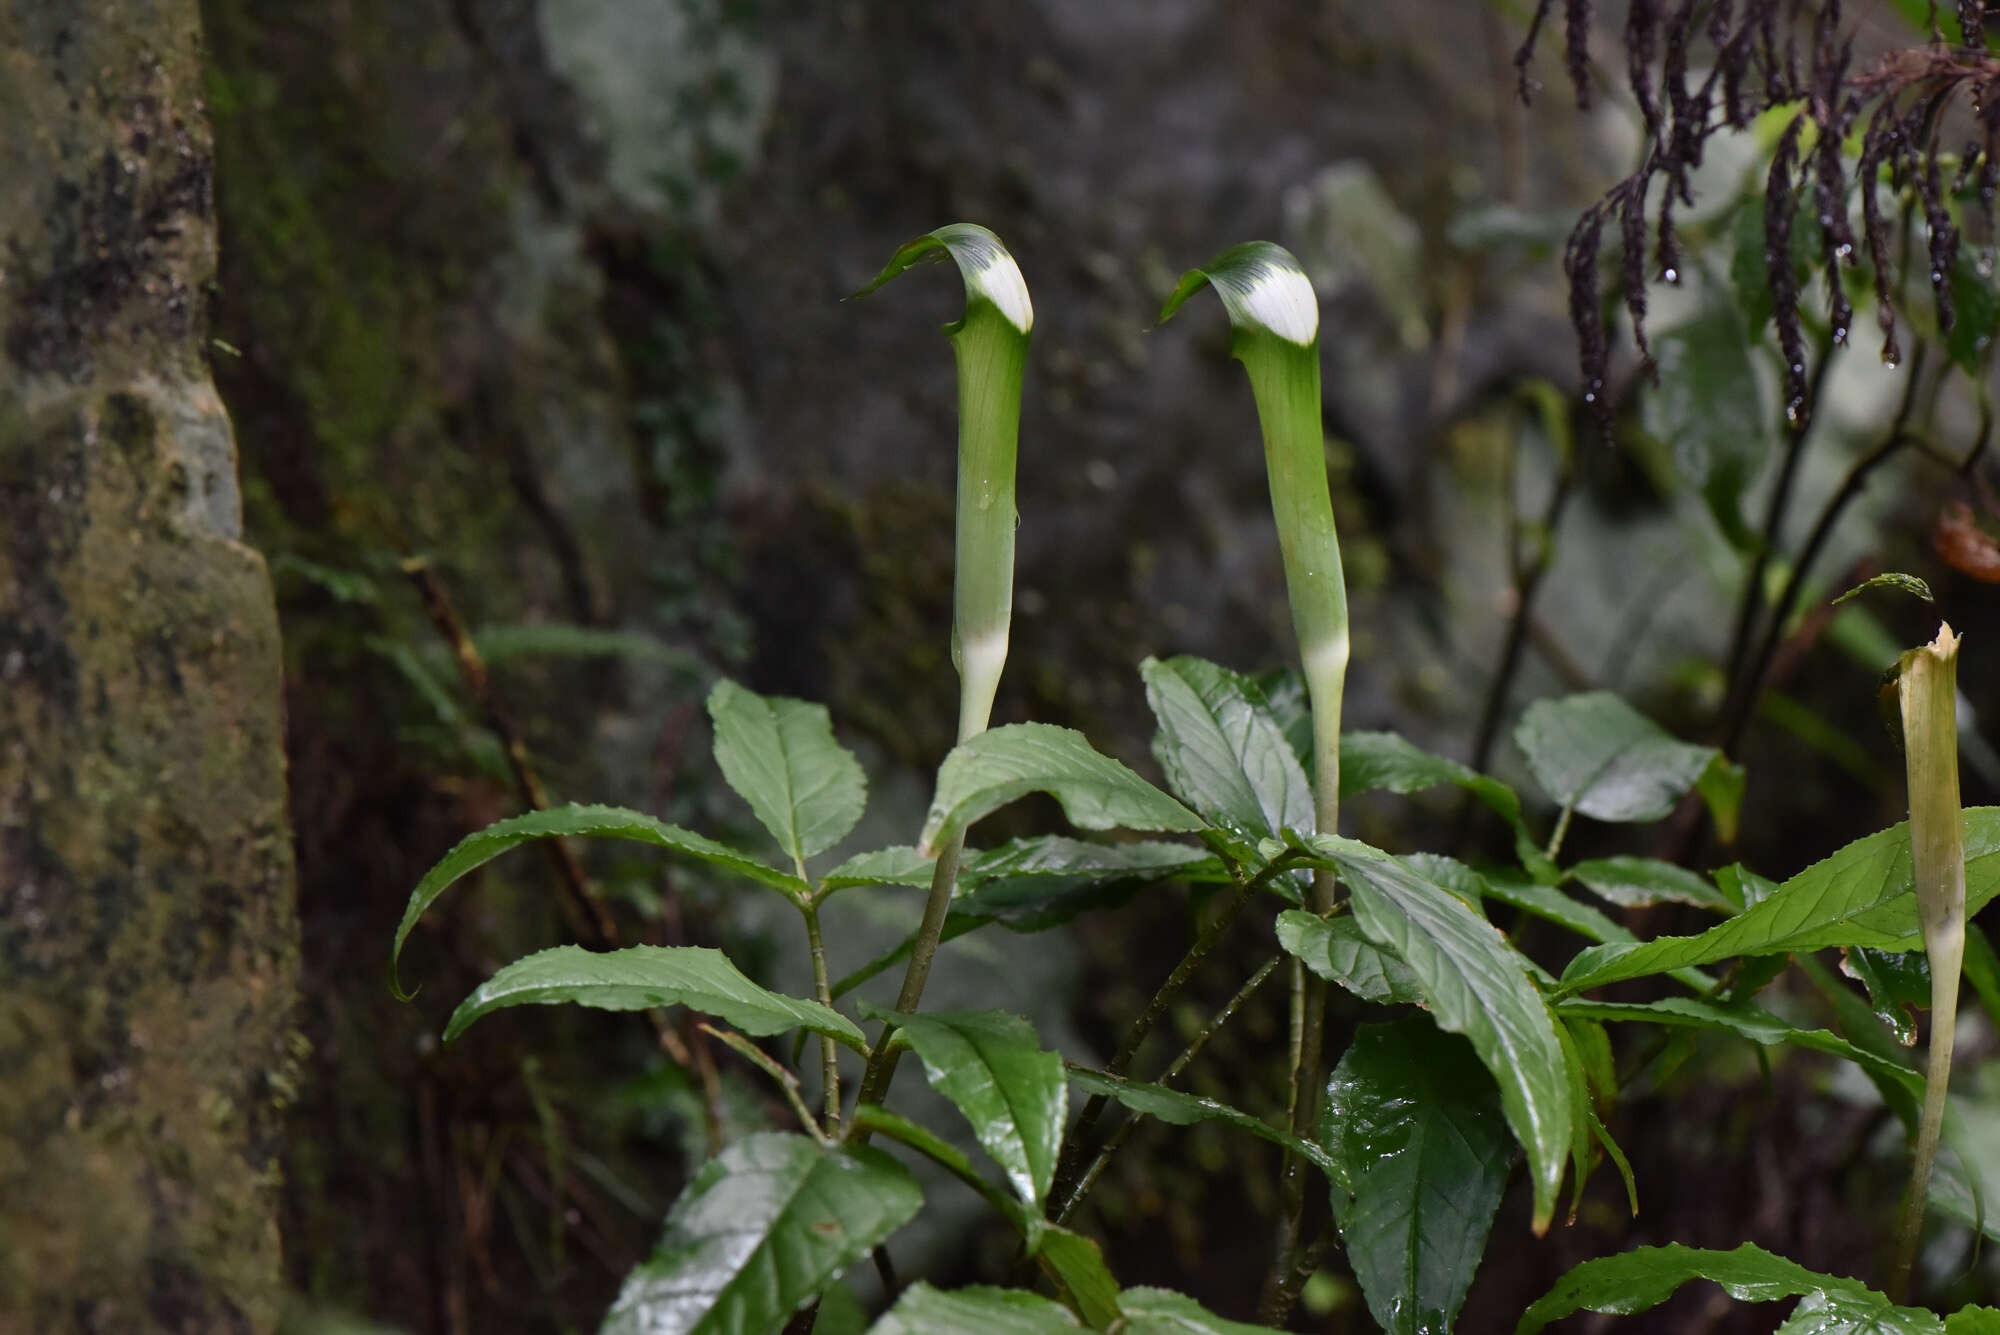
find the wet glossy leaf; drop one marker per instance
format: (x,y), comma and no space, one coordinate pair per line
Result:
(1424,1154)
(780,757)
(1223,751)
(1744,1020)
(1597,754)
(1898,986)
(991,1065)
(1889,579)
(1647,1276)
(481,847)
(762,1228)
(1861,895)
(1161,1312)
(1337,950)
(1708,408)
(1824,1313)
(923,1310)
(1973,1321)
(1179,1109)
(898,864)
(1637,882)
(1096,792)
(1477,985)
(642,977)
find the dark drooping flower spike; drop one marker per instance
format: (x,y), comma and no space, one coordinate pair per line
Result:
(1758,63)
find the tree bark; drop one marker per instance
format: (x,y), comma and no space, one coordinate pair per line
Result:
(148,942)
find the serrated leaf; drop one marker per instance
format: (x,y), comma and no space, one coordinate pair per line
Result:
(1889,579)
(1631,882)
(780,757)
(1095,791)
(1647,1276)
(1477,985)
(1338,951)
(1163,1312)
(1077,1266)
(1861,895)
(1746,1021)
(1180,1109)
(993,1067)
(1223,751)
(482,846)
(1598,755)
(642,977)
(923,1310)
(1708,408)
(898,864)
(762,1228)
(1898,986)
(1424,1153)
(1824,1313)
(1973,1321)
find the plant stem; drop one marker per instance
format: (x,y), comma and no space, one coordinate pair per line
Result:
(882,1064)
(1124,1132)
(1928,687)
(829,1057)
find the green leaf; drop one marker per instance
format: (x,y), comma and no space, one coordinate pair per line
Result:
(1861,895)
(899,864)
(1223,751)
(1637,882)
(1055,856)
(1424,1155)
(779,755)
(991,1065)
(1824,1313)
(1709,409)
(873,1118)
(1647,1276)
(1744,1020)
(1889,579)
(763,1227)
(1898,986)
(482,846)
(1973,1321)
(1478,986)
(1336,950)
(1178,1109)
(1598,755)
(1096,792)
(1384,761)
(1077,1266)
(642,977)
(923,1310)
(1162,1312)
(1722,786)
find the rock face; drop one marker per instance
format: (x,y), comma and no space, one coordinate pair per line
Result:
(148,940)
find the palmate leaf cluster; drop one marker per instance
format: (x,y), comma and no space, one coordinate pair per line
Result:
(1413,1152)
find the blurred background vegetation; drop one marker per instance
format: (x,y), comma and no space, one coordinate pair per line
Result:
(546,293)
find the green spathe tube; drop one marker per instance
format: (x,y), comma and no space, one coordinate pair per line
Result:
(1927,687)
(990,342)
(1275,317)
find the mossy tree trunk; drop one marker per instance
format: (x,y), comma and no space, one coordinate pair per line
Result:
(147,933)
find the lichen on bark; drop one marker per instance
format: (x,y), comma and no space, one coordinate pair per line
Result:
(147,936)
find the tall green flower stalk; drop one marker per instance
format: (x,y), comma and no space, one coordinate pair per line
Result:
(1275,319)
(1927,682)
(990,343)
